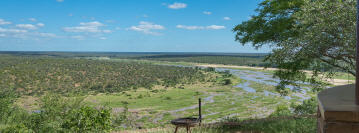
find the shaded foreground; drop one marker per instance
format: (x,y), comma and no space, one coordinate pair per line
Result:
(276,125)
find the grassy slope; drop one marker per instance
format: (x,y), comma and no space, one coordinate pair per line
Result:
(301,125)
(153,104)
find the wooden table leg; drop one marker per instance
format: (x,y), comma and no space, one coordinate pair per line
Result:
(188,129)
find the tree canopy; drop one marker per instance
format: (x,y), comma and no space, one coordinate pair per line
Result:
(316,35)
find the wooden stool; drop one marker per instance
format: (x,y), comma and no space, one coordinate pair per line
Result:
(189,121)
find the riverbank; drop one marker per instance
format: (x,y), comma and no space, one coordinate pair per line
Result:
(339,79)
(335,81)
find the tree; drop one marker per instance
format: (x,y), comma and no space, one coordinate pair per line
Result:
(273,24)
(316,35)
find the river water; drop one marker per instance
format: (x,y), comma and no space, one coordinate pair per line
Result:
(249,77)
(262,78)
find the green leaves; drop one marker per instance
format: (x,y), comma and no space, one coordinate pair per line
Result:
(308,107)
(88,119)
(7,99)
(59,114)
(273,23)
(305,35)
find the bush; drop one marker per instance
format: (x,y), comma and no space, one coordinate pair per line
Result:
(88,119)
(306,108)
(57,114)
(226,82)
(281,110)
(300,125)
(226,74)
(18,128)
(210,69)
(274,124)
(7,99)
(124,120)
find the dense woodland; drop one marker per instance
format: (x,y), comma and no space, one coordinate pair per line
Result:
(242,59)
(35,75)
(215,59)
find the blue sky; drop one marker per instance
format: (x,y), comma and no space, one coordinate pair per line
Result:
(124,25)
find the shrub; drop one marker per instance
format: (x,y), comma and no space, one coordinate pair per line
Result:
(18,128)
(168,98)
(88,119)
(275,123)
(57,114)
(281,110)
(124,119)
(226,82)
(7,98)
(210,69)
(307,107)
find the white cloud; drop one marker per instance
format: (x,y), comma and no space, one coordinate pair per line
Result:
(147,27)
(82,29)
(78,37)
(207,12)
(12,30)
(177,5)
(190,27)
(25,34)
(71,15)
(27,26)
(103,38)
(3,22)
(211,27)
(92,24)
(32,19)
(215,27)
(90,27)
(40,24)
(46,34)
(107,31)
(60,0)
(21,36)
(35,35)
(227,18)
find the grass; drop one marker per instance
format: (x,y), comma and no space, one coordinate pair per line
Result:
(158,103)
(155,107)
(345,76)
(151,108)
(298,125)
(165,99)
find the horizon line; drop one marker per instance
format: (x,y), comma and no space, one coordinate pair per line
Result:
(132,52)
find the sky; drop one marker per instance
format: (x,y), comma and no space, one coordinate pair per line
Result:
(124,25)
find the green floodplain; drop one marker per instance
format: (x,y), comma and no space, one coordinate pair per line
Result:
(145,91)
